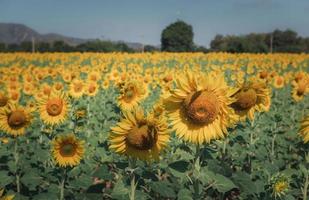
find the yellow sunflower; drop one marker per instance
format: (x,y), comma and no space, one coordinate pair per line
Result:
(14,119)
(77,88)
(252,96)
(67,150)
(131,94)
(278,82)
(92,88)
(53,109)
(304,129)
(140,136)
(300,89)
(199,107)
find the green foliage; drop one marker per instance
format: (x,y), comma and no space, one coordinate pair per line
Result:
(177,37)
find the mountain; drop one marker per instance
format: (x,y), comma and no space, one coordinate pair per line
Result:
(11,33)
(17,33)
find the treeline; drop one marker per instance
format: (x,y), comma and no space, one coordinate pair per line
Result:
(276,41)
(61,46)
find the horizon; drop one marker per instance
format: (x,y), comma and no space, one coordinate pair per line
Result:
(137,21)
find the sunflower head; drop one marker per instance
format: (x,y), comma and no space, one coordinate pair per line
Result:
(139,136)
(199,107)
(53,109)
(250,97)
(67,150)
(280,185)
(14,119)
(131,93)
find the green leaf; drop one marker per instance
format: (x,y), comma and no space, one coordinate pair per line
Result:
(244,182)
(84,181)
(5,179)
(120,191)
(223,184)
(163,188)
(103,173)
(184,194)
(180,166)
(31,180)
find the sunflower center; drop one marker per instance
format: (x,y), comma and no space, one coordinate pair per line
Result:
(67,150)
(142,137)
(78,87)
(17,119)
(3,100)
(201,107)
(129,94)
(246,99)
(279,81)
(54,106)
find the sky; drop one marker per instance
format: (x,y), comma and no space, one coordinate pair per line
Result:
(143,20)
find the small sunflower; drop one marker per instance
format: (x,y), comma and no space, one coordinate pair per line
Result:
(77,88)
(278,82)
(140,136)
(199,107)
(300,89)
(304,129)
(280,185)
(14,119)
(252,96)
(131,94)
(67,150)
(53,109)
(92,88)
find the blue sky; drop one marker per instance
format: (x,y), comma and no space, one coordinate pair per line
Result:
(143,20)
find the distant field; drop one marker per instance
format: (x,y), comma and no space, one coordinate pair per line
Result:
(154,126)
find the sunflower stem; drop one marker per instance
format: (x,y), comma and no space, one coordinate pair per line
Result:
(62,183)
(273,147)
(132,165)
(16,158)
(305,189)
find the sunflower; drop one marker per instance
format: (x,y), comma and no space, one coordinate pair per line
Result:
(53,109)
(92,88)
(199,107)
(140,136)
(300,89)
(67,150)
(280,185)
(14,119)
(131,94)
(278,82)
(252,96)
(304,129)
(77,88)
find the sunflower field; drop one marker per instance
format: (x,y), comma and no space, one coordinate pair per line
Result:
(154,126)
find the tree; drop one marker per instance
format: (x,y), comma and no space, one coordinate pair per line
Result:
(177,37)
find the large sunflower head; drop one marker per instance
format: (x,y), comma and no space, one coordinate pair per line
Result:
(131,93)
(252,96)
(139,136)
(14,119)
(67,150)
(304,129)
(54,109)
(199,107)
